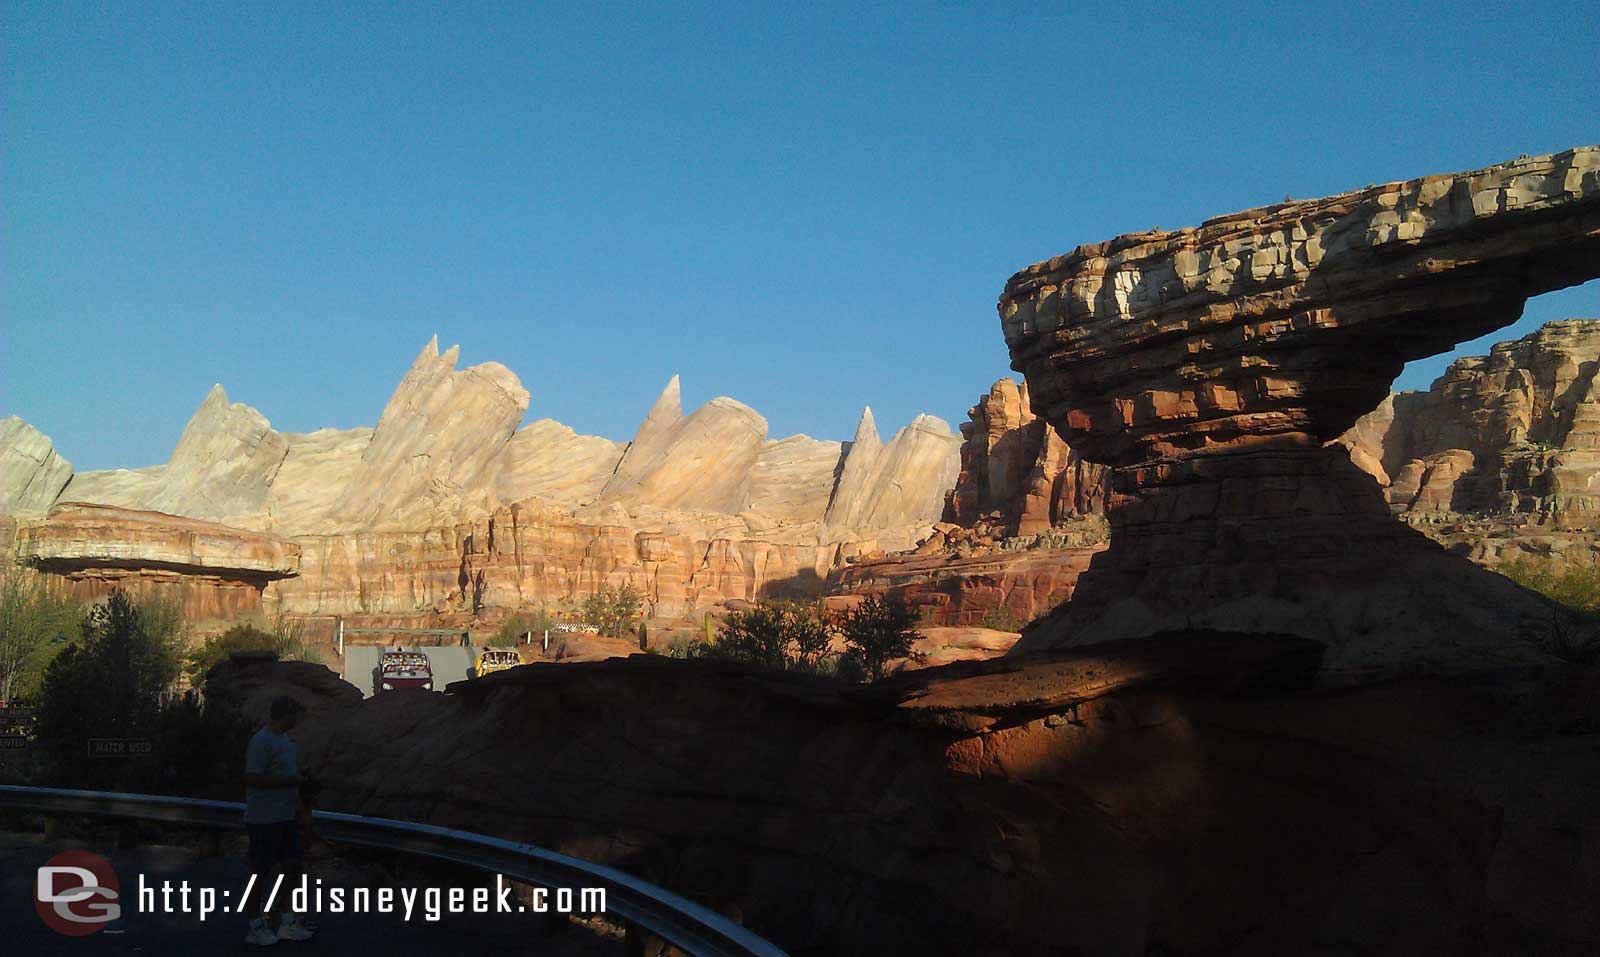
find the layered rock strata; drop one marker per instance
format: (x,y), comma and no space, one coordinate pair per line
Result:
(1209,366)
(1512,437)
(218,572)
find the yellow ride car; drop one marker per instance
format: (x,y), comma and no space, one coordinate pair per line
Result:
(495,659)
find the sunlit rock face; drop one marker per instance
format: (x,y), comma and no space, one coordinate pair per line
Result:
(1516,432)
(217,572)
(32,473)
(447,507)
(1209,366)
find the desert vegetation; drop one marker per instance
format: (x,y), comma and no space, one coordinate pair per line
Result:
(799,636)
(613,612)
(1578,587)
(35,625)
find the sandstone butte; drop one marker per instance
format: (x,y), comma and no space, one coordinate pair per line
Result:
(1211,369)
(447,507)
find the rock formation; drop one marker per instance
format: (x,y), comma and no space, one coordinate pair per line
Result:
(1021,522)
(445,506)
(887,486)
(32,474)
(1178,796)
(217,571)
(1209,366)
(1017,476)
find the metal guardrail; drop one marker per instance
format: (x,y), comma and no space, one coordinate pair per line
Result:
(687,925)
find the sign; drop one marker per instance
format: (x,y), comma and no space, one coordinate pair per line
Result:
(18,714)
(13,742)
(119,747)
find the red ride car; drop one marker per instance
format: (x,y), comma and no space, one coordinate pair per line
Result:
(404,669)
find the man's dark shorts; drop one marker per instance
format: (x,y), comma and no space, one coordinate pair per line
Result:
(273,845)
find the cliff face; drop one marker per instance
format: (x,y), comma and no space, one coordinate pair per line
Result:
(1017,476)
(446,505)
(1208,367)
(1514,432)
(217,571)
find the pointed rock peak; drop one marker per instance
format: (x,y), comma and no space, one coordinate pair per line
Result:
(217,396)
(668,406)
(450,357)
(429,352)
(867,430)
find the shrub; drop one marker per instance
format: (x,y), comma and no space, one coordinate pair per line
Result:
(613,611)
(510,632)
(788,636)
(1576,586)
(286,640)
(34,626)
(878,631)
(1002,619)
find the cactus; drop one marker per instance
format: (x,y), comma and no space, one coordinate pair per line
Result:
(711,634)
(644,637)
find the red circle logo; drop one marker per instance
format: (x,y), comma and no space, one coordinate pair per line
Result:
(76,893)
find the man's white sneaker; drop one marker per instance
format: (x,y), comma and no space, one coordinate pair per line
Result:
(260,933)
(290,928)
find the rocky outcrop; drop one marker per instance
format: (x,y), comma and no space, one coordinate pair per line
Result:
(435,447)
(218,572)
(246,684)
(902,483)
(1210,365)
(221,470)
(1017,476)
(32,474)
(549,461)
(696,463)
(949,585)
(1515,433)
(1169,797)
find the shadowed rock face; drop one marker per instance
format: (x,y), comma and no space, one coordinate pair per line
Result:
(1208,366)
(1173,796)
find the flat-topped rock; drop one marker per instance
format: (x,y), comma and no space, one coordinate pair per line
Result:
(1208,367)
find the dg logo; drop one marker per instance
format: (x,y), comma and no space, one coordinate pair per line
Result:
(76,893)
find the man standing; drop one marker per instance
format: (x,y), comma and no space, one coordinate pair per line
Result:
(272,792)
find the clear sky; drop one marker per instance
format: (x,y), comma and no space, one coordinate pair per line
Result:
(808,207)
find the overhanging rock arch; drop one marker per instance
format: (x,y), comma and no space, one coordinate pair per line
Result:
(1210,366)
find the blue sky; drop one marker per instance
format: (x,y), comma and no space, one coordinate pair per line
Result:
(808,207)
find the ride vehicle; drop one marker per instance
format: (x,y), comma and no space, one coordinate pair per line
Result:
(495,659)
(404,669)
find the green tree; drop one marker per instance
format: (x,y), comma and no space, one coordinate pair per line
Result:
(787,636)
(242,637)
(878,631)
(613,611)
(34,625)
(110,685)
